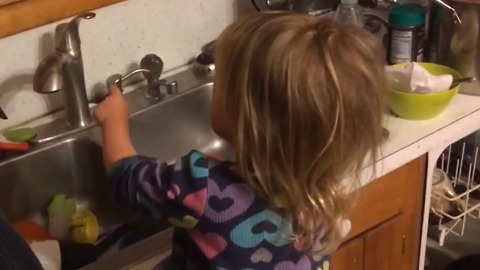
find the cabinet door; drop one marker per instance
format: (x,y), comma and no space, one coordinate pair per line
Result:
(387,218)
(388,247)
(349,256)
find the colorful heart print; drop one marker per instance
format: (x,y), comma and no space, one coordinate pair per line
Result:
(173,192)
(187,222)
(197,171)
(215,157)
(326,266)
(196,202)
(151,185)
(211,244)
(241,195)
(244,236)
(302,264)
(261,255)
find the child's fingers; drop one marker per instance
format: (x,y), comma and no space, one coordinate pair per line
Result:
(114,91)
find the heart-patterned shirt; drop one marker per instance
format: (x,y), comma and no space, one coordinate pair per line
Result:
(220,223)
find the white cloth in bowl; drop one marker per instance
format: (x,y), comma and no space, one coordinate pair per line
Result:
(412,77)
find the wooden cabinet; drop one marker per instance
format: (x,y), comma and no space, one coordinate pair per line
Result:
(386,246)
(349,256)
(386,223)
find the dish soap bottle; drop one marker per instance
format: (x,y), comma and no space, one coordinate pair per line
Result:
(349,13)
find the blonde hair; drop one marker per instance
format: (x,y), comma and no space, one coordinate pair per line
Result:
(306,97)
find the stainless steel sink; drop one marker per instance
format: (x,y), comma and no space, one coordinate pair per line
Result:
(73,164)
(72,167)
(173,128)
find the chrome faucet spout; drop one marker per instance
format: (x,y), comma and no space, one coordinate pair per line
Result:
(63,70)
(67,37)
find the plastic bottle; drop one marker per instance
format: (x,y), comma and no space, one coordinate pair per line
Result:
(349,12)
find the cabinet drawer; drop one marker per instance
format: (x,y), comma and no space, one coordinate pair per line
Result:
(349,256)
(397,192)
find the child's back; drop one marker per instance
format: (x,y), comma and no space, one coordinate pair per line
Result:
(220,222)
(301,99)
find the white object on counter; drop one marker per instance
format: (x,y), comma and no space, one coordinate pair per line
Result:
(412,77)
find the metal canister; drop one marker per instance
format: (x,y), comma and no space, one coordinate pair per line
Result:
(406,33)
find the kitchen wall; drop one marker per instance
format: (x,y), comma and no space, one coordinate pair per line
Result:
(113,42)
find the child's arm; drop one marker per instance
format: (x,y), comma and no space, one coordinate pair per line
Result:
(176,193)
(112,114)
(116,143)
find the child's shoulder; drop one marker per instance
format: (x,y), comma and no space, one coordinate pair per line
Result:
(211,166)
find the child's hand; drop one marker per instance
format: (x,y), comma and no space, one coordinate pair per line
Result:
(112,115)
(114,109)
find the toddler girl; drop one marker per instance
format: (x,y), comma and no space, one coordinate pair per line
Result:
(301,99)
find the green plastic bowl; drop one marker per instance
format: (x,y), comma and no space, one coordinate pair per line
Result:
(414,106)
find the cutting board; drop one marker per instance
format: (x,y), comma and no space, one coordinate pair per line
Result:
(21,15)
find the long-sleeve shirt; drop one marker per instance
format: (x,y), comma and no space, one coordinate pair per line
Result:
(220,223)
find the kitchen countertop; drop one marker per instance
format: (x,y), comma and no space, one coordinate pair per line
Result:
(411,139)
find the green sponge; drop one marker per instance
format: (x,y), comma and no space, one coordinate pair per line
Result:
(60,211)
(61,205)
(20,135)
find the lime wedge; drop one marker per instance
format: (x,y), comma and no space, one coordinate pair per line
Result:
(20,135)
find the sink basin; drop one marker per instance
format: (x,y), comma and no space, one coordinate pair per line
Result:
(72,167)
(73,164)
(176,127)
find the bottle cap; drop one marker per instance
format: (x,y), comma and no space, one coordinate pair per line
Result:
(406,15)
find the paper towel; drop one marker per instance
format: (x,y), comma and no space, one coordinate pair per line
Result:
(412,77)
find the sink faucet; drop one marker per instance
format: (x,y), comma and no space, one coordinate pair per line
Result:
(63,70)
(151,66)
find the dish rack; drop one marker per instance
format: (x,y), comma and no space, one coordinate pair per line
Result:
(458,199)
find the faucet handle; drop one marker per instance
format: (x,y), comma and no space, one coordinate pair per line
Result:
(115,79)
(151,66)
(154,64)
(99,96)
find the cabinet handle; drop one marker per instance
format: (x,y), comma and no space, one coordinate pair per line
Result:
(404,244)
